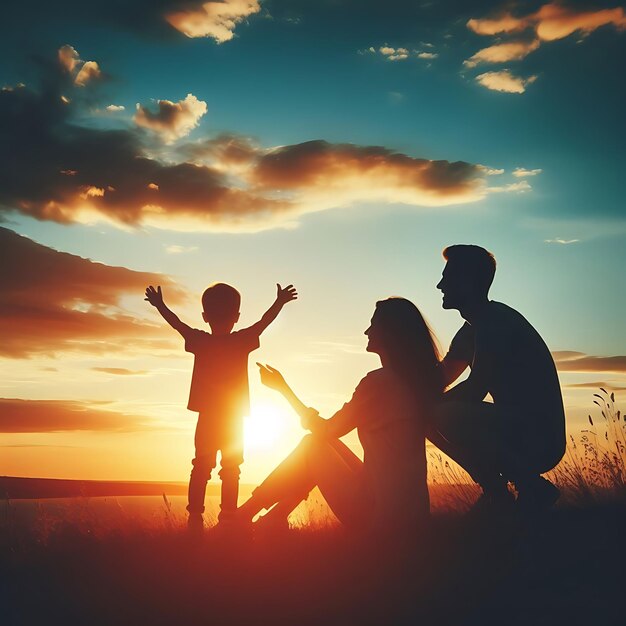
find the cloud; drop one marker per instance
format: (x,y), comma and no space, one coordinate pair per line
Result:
(568,361)
(491,171)
(564,242)
(216,20)
(89,71)
(81,72)
(115,108)
(502,53)
(119,371)
(57,302)
(174,249)
(520,172)
(399,54)
(326,175)
(504,81)
(68,57)
(172,120)
(49,416)
(552,21)
(596,385)
(520,187)
(56,170)
(226,151)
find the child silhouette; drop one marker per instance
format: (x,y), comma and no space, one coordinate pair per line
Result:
(219,388)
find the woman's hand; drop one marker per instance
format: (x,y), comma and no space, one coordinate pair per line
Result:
(272,378)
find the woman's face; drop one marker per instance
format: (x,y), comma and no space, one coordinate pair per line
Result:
(374,335)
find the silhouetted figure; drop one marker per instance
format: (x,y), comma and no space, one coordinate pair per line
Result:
(219,388)
(522,433)
(387,490)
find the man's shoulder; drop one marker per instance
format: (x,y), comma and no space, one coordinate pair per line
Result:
(506,314)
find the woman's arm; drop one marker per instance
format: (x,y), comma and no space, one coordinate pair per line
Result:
(340,424)
(273,379)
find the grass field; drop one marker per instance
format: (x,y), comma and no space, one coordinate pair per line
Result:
(128,560)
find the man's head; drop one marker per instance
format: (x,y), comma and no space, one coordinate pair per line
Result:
(220,304)
(467,276)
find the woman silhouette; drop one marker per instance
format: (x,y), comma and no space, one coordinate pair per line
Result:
(389,406)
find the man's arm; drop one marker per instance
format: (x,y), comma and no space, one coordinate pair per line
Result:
(471,390)
(155,298)
(282,297)
(451,368)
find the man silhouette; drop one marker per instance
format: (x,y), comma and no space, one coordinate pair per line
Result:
(521,434)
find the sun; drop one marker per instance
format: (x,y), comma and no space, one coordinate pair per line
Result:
(266,425)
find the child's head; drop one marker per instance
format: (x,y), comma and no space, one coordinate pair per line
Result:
(220,304)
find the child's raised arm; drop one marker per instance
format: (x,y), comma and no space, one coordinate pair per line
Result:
(155,298)
(283,296)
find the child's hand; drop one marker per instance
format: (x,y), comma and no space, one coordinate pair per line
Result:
(287,294)
(154,296)
(271,377)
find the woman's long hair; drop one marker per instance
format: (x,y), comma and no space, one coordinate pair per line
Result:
(411,347)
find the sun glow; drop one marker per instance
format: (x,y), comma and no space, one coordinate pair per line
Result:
(266,425)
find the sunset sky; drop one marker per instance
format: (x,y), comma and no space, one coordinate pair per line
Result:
(338,145)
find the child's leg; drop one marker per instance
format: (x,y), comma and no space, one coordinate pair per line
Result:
(200,476)
(203,464)
(232,458)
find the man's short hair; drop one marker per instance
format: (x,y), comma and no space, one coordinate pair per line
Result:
(221,301)
(478,263)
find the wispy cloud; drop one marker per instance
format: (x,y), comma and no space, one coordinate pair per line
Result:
(551,22)
(520,172)
(58,302)
(559,240)
(119,371)
(176,249)
(504,81)
(569,361)
(502,53)
(48,416)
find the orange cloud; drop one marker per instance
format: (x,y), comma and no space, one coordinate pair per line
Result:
(54,301)
(504,81)
(119,371)
(217,20)
(172,120)
(552,21)
(81,72)
(568,361)
(337,174)
(68,57)
(502,53)
(49,416)
(89,71)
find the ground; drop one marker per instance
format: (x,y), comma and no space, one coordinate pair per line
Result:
(565,567)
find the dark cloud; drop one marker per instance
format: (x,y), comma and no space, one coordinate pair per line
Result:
(53,301)
(367,173)
(48,416)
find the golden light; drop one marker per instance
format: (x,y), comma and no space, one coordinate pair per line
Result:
(266,425)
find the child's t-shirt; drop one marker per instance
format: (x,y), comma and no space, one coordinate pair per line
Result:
(219,383)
